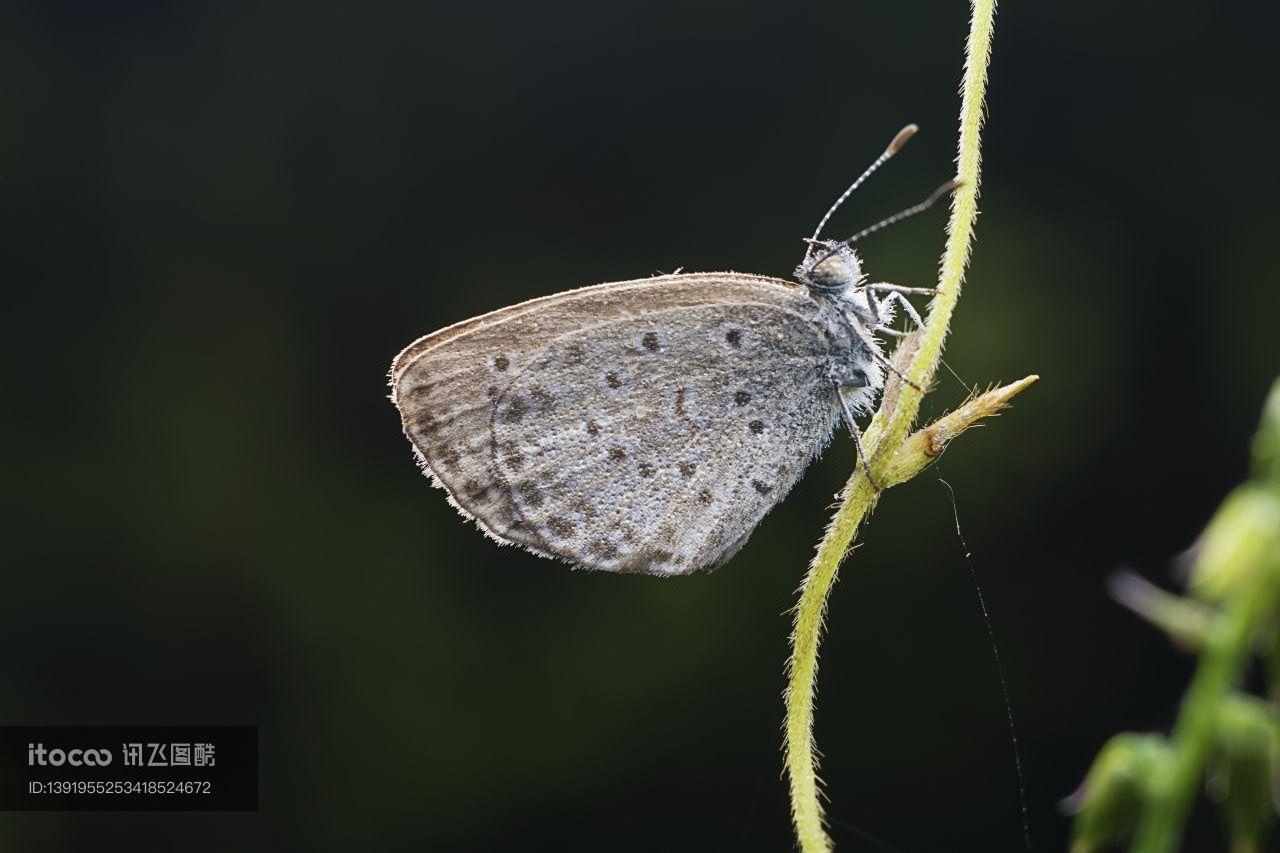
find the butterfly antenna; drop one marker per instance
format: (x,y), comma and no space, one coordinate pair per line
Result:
(894,147)
(941,192)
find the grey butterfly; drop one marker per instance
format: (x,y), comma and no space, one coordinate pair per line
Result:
(649,425)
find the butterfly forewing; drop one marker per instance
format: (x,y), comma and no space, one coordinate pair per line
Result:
(641,426)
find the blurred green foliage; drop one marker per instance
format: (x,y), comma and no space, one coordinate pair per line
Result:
(1228,739)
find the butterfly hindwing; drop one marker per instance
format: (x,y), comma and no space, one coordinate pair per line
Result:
(641,426)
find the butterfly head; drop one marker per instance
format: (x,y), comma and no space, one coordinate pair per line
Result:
(830,267)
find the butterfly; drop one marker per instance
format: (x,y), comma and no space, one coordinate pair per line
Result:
(649,425)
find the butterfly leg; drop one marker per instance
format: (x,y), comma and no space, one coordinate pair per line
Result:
(852,378)
(909,309)
(895,294)
(882,312)
(885,287)
(857,437)
(861,334)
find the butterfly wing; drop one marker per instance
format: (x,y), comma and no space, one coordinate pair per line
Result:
(641,426)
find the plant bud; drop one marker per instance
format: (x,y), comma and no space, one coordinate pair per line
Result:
(1108,803)
(1242,540)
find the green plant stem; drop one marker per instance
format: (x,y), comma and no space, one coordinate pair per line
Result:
(955,257)
(885,439)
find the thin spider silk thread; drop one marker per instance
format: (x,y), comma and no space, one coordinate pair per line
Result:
(995,653)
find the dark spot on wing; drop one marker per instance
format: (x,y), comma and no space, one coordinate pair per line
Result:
(659,556)
(646,470)
(682,412)
(560,526)
(542,399)
(649,340)
(501,363)
(756,427)
(593,428)
(617,453)
(733,338)
(613,380)
(603,549)
(741,398)
(475,490)
(687,468)
(587,508)
(531,494)
(448,456)
(762,488)
(652,560)
(516,410)
(427,424)
(704,497)
(419,391)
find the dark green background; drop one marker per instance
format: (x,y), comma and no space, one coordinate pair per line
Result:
(221,222)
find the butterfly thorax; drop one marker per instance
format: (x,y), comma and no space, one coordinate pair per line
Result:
(833,274)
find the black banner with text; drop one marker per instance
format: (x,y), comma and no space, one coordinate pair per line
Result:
(129,768)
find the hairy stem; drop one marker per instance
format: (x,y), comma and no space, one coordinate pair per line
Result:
(885,439)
